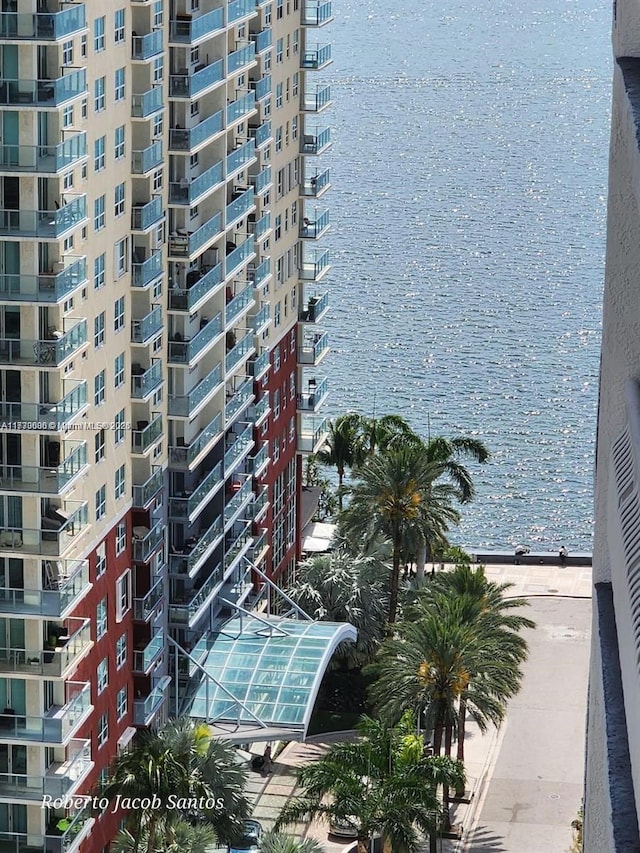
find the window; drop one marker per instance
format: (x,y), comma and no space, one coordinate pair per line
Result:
(121,538)
(118,26)
(275,454)
(98,389)
(83,46)
(278,228)
(67,53)
(294,128)
(278,95)
(276,404)
(102,675)
(122,256)
(279,52)
(98,94)
(119,427)
(101,619)
(67,181)
(195,108)
(276,315)
(118,200)
(101,559)
(279,9)
(267,15)
(158,14)
(294,84)
(123,595)
(98,34)
(98,330)
(276,358)
(67,117)
(294,212)
(292,386)
(118,371)
(279,139)
(99,149)
(296,40)
(101,503)
(121,703)
(118,148)
(119,482)
(99,442)
(119,84)
(158,70)
(195,55)
(121,651)
(103,729)
(158,124)
(98,213)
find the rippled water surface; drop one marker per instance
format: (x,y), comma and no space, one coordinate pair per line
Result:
(468,215)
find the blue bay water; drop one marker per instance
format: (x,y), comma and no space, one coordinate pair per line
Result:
(469,174)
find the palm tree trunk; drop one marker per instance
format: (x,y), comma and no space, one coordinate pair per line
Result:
(340,479)
(395,585)
(363,844)
(151,838)
(462,724)
(421,560)
(448,738)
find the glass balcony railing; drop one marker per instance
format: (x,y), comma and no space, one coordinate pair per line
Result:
(144,710)
(312,433)
(241,443)
(144,659)
(45,26)
(19,842)
(143,439)
(193,85)
(188,191)
(142,384)
(260,409)
(43,93)
(311,350)
(32,478)
(263,40)
(60,780)
(143,330)
(147,103)
(196,242)
(143,495)
(43,159)
(50,416)
(189,562)
(258,366)
(59,722)
(143,548)
(315,142)
(318,58)
(314,266)
(144,216)
(258,546)
(144,608)
(50,662)
(261,133)
(238,256)
(258,322)
(241,58)
(188,29)
(67,588)
(241,350)
(262,87)
(241,157)
(144,272)
(241,107)
(185,455)
(315,13)
(189,612)
(185,140)
(311,229)
(317,100)
(261,227)
(183,508)
(147,159)
(238,400)
(258,461)
(314,185)
(185,406)
(239,304)
(239,9)
(186,300)
(313,398)
(239,207)
(239,499)
(186,352)
(47,287)
(148,46)
(47,224)
(51,351)
(260,274)
(236,544)
(317,306)
(262,181)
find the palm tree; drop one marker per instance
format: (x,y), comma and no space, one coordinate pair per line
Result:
(376,784)
(275,842)
(341,588)
(379,434)
(343,447)
(187,839)
(397,498)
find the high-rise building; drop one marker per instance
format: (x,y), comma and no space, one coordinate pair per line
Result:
(612,789)
(161,209)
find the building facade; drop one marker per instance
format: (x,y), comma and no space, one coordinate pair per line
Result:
(160,363)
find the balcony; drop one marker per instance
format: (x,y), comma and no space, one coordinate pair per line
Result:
(189,562)
(188,30)
(144,495)
(147,159)
(238,502)
(45,224)
(262,181)
(313,349)
(57,725)
(241,205)
(43,93)
(314,266)
(47,287)
(49,26)
(144,710)
(237,545)
(192,609)
(316,13)
(238,256)
(241,157)
(45,481)
(315,396)
(317,100)
(261,228)
(316,59)
(188,191)
(145,659)
(261,134)
(146,104)
(144,544)
(258,366)
(187,140)
(145,607)
(145,216)
(194,85)
(188,351)
(317,307)
(259,322)
(186,245)
(258,462)
(50,663)
(44,159)
(263,40)
(241,58)
(67,842)
(145,381)
(187,507)
(52,351)
(201,286)
(146,435)
(60,779)
(260,409)
(316,184)
(313,229)
(69,583)
(185,456)
(261,274)
(262,87)
(238,445)
(316,142)
(241,108)
(146,271)
(147,46)
(242,350)
(238,400)
(258,548)
(147,327)
(240,9)
(313,434)
(239,304)
(46,416)
(188,405)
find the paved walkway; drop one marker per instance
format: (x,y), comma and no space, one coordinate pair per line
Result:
(526,779)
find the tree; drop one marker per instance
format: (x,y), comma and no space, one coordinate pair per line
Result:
(397,497)
(186,839)
(380,783)
(275,842)
(343,447)
(380,434)
(340,588)
(327,499)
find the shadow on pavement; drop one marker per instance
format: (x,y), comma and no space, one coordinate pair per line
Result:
(483,841)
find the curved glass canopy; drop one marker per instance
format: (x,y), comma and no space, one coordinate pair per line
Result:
(264,673)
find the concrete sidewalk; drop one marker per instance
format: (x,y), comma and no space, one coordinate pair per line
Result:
(539,746)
